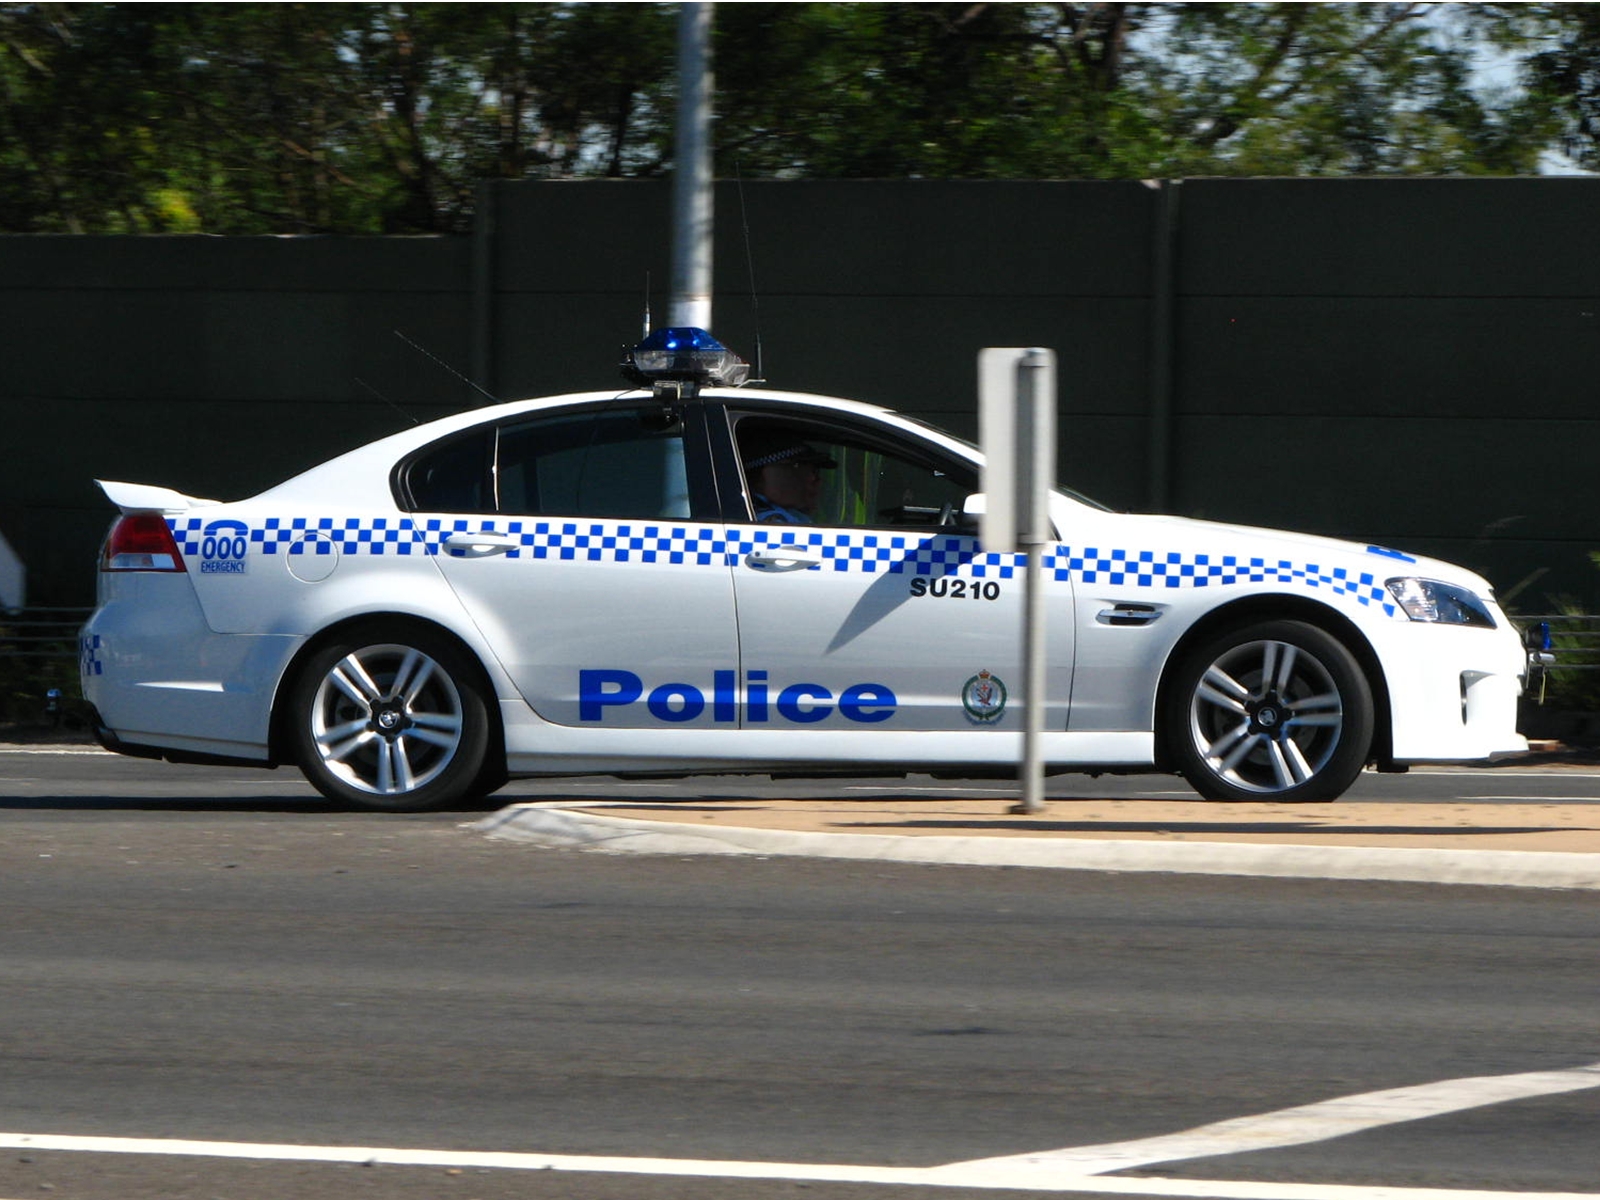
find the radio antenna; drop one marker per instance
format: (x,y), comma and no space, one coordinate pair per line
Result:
(374,391)
(647,304)
(750,262)
(429,354)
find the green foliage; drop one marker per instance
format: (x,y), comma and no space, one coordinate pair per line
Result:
(385,118)
(275,118)
(1564,72)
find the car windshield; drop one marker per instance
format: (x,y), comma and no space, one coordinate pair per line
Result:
(1070,493)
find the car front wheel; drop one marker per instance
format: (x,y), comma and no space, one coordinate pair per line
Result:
(391,719)
(1277,711)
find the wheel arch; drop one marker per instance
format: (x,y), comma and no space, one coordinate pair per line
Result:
(278,728)
(1254,609)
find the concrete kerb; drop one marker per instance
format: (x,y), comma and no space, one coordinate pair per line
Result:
(565,824)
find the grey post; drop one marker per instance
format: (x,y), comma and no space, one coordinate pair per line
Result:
(1017,406)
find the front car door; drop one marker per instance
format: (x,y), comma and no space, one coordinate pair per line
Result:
(880,612)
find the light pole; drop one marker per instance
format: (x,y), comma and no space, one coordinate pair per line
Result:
(692,204)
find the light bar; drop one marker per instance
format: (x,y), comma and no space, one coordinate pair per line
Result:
(684,355)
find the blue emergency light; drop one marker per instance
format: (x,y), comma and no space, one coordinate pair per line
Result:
(683,356)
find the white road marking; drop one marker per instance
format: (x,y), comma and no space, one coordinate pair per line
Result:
(1525,798)
(1208,1189)
(994,791)
(1297,1126)
(1511,773)
(1076,1169)
(888,785)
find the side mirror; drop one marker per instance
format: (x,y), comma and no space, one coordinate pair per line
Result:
(975,505)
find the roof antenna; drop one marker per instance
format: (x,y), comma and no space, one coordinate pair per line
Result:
(647,304)
(374,391)
(426,353)
(750,262)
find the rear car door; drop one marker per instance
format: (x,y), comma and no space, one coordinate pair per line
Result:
(586,545)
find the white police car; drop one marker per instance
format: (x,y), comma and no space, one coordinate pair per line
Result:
(691,578)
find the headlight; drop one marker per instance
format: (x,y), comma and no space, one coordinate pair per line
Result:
(1442,603)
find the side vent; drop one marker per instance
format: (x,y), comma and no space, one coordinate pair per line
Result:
(1129,614)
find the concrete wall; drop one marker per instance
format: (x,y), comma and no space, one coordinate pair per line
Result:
(1406,361)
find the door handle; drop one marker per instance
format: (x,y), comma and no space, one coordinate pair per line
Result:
(481,545)
(782,558)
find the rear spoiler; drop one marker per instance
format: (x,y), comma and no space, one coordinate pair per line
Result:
(146,497)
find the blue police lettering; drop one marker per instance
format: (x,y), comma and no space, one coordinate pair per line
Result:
(677,701)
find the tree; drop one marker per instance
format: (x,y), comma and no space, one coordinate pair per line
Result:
(384,118)
(1564,71)
(252,118)
(1111,91)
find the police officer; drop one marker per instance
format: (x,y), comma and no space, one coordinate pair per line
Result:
(784,476)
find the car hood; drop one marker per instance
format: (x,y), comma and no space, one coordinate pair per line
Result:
(1215,537)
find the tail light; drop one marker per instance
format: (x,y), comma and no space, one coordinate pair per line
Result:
(141,542)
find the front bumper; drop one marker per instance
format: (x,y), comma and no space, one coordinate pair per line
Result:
(1453,692)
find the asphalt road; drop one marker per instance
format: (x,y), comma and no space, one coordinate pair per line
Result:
(201,954)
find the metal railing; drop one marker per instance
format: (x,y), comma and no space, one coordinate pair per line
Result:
(1574,639)
(41,632)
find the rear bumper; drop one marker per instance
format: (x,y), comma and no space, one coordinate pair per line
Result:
(162,684)
(110,741)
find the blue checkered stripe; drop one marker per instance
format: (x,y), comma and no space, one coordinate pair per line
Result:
(891,553)
(578,541)
(863,551)
(1151,569)
(276,535)
(352,535)
(187,532)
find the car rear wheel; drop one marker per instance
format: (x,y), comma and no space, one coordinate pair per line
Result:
(392,718)
(1276,711)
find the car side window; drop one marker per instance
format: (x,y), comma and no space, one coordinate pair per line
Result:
(623,463)
(453,476)
(859,480)
(617,463)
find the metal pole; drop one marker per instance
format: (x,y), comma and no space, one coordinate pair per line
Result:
(1033,684)
(691,173)
(1035,419)
(1017,419)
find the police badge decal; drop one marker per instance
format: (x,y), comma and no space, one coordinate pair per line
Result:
(984,697)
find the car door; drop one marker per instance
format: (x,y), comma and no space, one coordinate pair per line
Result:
(586,545)
(881,612)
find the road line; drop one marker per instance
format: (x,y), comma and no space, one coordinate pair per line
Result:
(1526,798)
(1511,773)
(1204,1189)
(1293,1126)
(1073,1169)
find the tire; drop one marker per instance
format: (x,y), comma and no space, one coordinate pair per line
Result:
(393,718)
(1275,711)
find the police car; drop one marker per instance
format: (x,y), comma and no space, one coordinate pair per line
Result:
(693,577)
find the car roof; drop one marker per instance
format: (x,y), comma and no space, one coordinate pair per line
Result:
(367,468)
